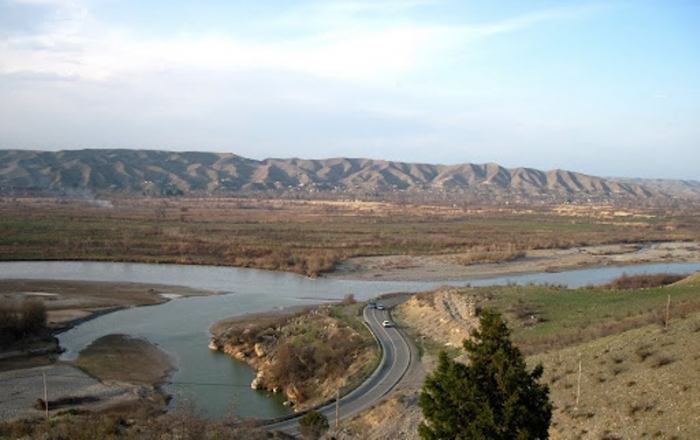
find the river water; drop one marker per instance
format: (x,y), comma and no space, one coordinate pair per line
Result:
(218,385)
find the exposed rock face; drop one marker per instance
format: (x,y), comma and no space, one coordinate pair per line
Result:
(171,173)
(446,315)
(259,382)
(307,357)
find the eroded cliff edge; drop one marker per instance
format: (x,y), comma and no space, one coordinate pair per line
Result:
(308,356)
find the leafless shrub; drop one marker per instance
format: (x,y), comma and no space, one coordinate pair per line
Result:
(644,351)
(525,314)
(634,409)
(21,321)
(493,253)
(660,361)
(642,281)
(555,378)
(323,358)
(617,370)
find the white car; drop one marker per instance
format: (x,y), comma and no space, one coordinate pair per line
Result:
(380,307)
(386,324)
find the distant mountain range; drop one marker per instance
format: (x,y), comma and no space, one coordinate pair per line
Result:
(150,172)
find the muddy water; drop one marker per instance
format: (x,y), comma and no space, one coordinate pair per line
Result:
(218,385)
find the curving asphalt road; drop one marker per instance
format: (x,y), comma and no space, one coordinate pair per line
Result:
(395,362)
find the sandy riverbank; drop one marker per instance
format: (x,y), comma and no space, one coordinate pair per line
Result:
(68,301)
(446,267)
(126,371)
(113,372)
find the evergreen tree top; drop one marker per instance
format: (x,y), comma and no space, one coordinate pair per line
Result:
(491,397)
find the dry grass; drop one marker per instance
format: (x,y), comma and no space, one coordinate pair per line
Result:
(308,237)
(308,355)
(636,384)
(21,322)
(181,424)
(638,377)
(117,357)
(66,301)
(495,253)
(643,281)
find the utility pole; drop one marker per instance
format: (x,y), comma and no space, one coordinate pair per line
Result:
(337,410)
(46,397)
(578,386)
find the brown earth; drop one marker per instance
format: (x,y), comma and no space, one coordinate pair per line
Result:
(114,373)
(307,356)
(123,372)
(68,301)
(637,384)
(448,323)
(124,359)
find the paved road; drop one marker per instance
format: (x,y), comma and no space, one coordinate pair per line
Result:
(393,366)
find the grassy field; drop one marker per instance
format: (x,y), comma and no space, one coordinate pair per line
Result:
(545,317)
(638,370)
(310,237)
(548,317)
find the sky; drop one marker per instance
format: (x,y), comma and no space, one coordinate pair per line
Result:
(608,88)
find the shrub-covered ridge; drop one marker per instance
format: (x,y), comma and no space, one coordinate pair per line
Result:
(307,356)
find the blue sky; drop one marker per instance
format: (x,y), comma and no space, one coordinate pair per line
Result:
(609,88)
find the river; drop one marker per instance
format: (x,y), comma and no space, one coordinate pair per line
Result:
(217,385)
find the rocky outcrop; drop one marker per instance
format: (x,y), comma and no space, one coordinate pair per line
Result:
(446,315)
(307,357)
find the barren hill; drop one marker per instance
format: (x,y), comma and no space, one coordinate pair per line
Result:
(176,173)
(686,189)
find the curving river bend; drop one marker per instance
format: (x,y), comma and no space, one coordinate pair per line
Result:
(218,385)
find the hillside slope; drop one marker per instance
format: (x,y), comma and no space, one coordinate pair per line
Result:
(170,173)
(687,189)
(639,383)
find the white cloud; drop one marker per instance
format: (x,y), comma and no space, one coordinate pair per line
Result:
(373,79)
(341,43)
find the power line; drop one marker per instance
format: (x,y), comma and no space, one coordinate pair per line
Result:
(230,385)
(68,376)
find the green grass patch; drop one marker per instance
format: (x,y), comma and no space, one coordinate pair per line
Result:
(544,317)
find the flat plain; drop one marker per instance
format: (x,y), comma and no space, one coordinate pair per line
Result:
(392,241)
(314,237)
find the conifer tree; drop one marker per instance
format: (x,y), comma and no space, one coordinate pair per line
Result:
(492,397)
